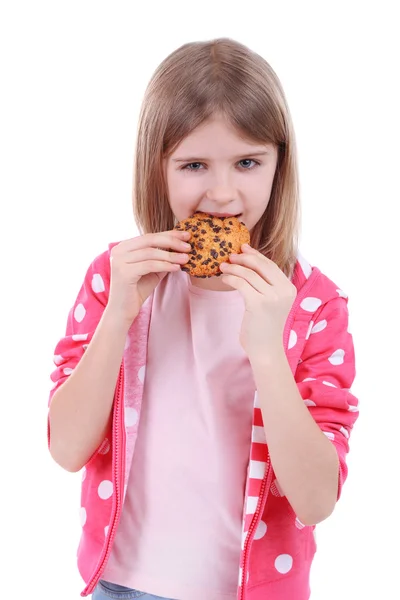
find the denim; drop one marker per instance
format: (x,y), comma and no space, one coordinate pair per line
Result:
(106,590)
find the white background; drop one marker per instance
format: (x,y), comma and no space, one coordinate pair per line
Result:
(72,78)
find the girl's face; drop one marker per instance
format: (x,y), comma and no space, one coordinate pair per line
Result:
(216,171)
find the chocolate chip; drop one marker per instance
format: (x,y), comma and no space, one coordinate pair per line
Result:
(230,223)
(200,246)
(222,253)
(217,239)
(229,244)
(214,253)
(196,235)
(199,256)
(203,231)
(185,269)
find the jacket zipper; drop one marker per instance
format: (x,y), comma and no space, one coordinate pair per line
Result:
(118,466)
(254,523)
(268,471)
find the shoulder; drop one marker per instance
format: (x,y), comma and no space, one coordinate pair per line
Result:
(101,262)
(316,287)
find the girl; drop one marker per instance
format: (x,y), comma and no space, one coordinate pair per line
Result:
(211,417)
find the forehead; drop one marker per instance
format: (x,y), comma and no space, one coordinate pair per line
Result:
(216,135)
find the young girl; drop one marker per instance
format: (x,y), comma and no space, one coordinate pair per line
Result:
(211,417)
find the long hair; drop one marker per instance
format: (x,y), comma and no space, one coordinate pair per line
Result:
(195,82)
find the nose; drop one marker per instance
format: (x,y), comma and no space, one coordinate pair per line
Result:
(221,192)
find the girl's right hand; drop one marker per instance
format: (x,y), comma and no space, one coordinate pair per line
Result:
(138,265)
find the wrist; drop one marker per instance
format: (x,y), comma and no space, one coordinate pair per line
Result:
(270,359)
(113,320)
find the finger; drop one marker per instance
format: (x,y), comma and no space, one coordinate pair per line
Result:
(167,240)
(256,263)
(241,285)
(248,275)
(271,265)
(153,266)
(145,254)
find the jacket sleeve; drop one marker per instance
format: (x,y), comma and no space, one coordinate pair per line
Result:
(82,322)
(325,375)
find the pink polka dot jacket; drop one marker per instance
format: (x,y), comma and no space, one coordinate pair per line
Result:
(277,549)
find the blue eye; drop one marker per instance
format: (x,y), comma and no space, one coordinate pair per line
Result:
(248,163)
(193,166)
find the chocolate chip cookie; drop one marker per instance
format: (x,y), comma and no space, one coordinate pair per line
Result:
(213,240)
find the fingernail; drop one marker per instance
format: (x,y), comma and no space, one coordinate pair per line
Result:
(187,245)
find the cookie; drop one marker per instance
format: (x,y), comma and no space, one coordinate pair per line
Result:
(213,240)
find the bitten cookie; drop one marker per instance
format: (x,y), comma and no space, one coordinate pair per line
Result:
(213,240)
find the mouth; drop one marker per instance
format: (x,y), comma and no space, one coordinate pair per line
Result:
(224,215)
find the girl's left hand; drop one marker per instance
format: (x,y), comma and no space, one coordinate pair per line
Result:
(268,295)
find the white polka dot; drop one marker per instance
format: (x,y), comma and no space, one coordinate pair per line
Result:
(83,474)
(337,357)
(141,373)
(67,371)
(82,516)
(80,337)
(261,530)
(276,489)
(309,379)
(292,339)
(329,384)
(283,563)
(309,403)
(98,284)
(352,408)
(58,359)
(106,530)
(299,524)
(342,294)
(105,447)
(240,576)
(329,435)
(131,416)
(79,313)
(105,489)
(310,304)
(345,432)
(320,326)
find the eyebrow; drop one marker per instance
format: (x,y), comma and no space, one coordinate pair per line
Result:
(198,159)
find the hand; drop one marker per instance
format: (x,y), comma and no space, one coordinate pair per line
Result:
(268,295)
(138,265)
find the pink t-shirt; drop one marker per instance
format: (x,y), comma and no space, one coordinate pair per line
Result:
(180,529)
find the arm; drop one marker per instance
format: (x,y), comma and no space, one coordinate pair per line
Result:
(81,408)
(308,423)
(82,398)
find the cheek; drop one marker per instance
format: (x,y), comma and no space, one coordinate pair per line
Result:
(183,194)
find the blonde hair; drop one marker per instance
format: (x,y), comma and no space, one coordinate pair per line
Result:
(192,84)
